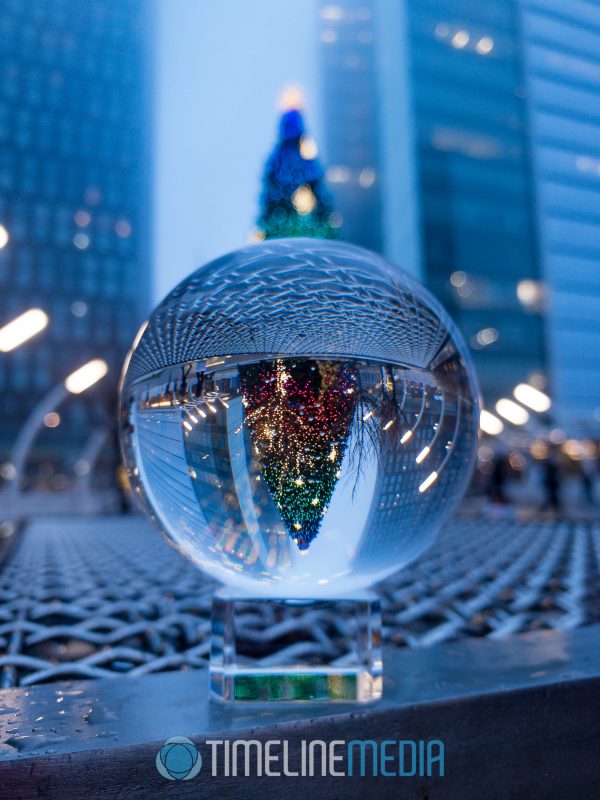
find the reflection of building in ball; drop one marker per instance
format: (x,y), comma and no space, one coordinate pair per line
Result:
(178,759)
(299,417)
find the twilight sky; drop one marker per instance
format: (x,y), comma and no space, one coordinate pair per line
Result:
(220,67)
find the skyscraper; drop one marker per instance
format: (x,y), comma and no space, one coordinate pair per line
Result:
(485,139)
(561,45)
(74,199)
(474,181)
(350,116)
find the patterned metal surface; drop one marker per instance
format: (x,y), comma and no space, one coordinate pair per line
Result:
(298,297)
(91,598)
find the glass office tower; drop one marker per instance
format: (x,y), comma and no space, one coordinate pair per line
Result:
(74,199)
(350,114)
(562,57)
(448,129)
(474,182)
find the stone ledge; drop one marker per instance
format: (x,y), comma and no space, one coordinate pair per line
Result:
(518,717)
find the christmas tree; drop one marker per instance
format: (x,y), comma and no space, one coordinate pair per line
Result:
(300,413)
(294,199)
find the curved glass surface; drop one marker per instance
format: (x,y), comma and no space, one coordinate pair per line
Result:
(299,417)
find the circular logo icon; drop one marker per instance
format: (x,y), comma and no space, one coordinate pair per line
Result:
(178,759)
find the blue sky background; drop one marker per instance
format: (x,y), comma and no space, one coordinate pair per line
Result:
(220,67)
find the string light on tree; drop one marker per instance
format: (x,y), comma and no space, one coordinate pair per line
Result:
(299,414)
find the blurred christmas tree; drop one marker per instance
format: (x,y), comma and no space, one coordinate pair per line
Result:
(294,200)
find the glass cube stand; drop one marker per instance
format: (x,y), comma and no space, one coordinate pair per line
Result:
(282,650)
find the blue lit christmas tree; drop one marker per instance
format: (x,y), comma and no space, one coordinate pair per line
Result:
(294,199)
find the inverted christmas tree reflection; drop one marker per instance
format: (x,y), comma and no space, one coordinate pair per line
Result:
(259,460)
(299,413)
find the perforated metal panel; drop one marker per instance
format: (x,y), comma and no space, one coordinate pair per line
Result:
(83,598)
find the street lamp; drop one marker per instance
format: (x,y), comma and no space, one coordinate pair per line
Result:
(76,383)
(490,424)
(22,328)
(511,411)
(532,398)
(86,376)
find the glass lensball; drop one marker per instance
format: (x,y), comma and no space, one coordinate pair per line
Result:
(299,417)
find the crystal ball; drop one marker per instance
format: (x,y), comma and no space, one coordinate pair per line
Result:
(299,417)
